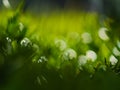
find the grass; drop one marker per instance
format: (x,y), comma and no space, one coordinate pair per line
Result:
(60,50)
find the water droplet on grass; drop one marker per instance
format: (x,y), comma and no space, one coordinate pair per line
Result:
(91,55)
(82,60)
(26,42)
(42,59)
(21,26)
(113,60)
(86,37)
(116,52)
(8,39)
(69,54)
(61,44)
(6,3)
(118,44)
(8,45)
(102,34)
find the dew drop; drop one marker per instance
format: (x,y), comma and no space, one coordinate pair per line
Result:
(61,44)
(6,3)
(113,60)
(118,44)
(86,37)
(42,59)
(9,46)
(25,42)
(102,34)
(116,51)
(82,60)
(8,39)
(91,55)
(69,54)
(21,26)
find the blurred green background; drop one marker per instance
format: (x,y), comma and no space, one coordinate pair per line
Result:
(59,45)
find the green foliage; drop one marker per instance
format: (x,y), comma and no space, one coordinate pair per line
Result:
(60,51)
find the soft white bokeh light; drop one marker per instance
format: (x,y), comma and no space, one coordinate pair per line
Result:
(8,39)
(113,60)
(116,51)
(86,38)
(69,54)
(25,42)
(21,26)
(61,44)
(82,60)
(118,44)
(102,34)
(6,3)
(91,55)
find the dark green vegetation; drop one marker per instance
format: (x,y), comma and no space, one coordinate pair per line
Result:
(59,51)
